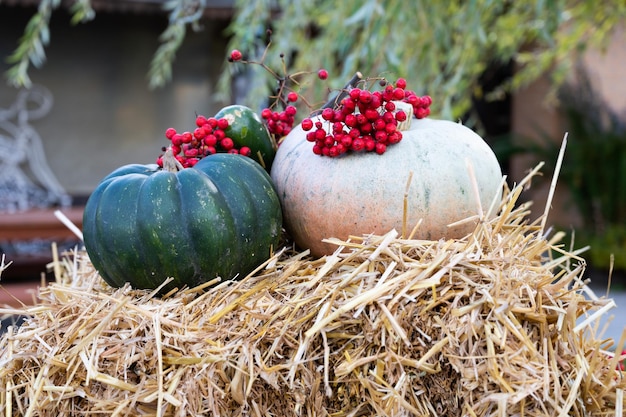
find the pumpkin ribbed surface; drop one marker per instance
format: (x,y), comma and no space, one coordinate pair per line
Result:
(220,218)
(363,193)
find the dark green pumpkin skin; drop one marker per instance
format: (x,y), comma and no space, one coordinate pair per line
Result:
(221,218)
(246,128)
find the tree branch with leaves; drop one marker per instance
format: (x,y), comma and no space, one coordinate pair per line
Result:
(31,47)
(441,47)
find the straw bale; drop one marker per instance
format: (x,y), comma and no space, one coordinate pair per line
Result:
(500,323)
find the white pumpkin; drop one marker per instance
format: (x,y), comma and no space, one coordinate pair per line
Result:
(364,193)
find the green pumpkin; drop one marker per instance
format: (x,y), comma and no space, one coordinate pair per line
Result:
(246,128)
(221,218)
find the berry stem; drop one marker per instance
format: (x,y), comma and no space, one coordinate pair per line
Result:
(345,91)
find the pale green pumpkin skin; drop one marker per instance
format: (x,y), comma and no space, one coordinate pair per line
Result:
(360,194)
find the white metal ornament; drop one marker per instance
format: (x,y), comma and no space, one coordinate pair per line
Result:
(26,180)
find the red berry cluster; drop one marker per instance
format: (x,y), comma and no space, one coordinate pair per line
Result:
(279,123)
(208,137)
(364,120)
(359,120)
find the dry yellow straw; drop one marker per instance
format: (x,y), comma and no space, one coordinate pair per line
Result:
(491,324)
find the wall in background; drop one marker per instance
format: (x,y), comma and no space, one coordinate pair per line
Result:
(104,114)
(533,113)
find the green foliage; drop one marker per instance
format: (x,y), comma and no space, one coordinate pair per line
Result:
(182,13)
(36,36)
(594,168)
(595,172)
(605,249)
(82,12)
(440,47)
(171,39)
(31,45)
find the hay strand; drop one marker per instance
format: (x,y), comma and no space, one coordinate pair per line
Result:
(488,325)
(69,224)
(555,176)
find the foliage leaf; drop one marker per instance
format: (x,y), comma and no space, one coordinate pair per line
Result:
(82,12)
(182,14)
(440,47)
(36,36)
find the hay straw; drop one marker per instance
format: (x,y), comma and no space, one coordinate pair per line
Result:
(555,176)
(488,325)
(69,224)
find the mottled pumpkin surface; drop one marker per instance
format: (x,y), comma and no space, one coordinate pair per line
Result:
(359,194)
(246,128)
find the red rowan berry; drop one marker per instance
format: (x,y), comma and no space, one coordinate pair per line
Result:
(235,55)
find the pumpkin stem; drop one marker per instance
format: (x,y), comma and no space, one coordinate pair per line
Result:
(170,163)
(345,91)
(408,109)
